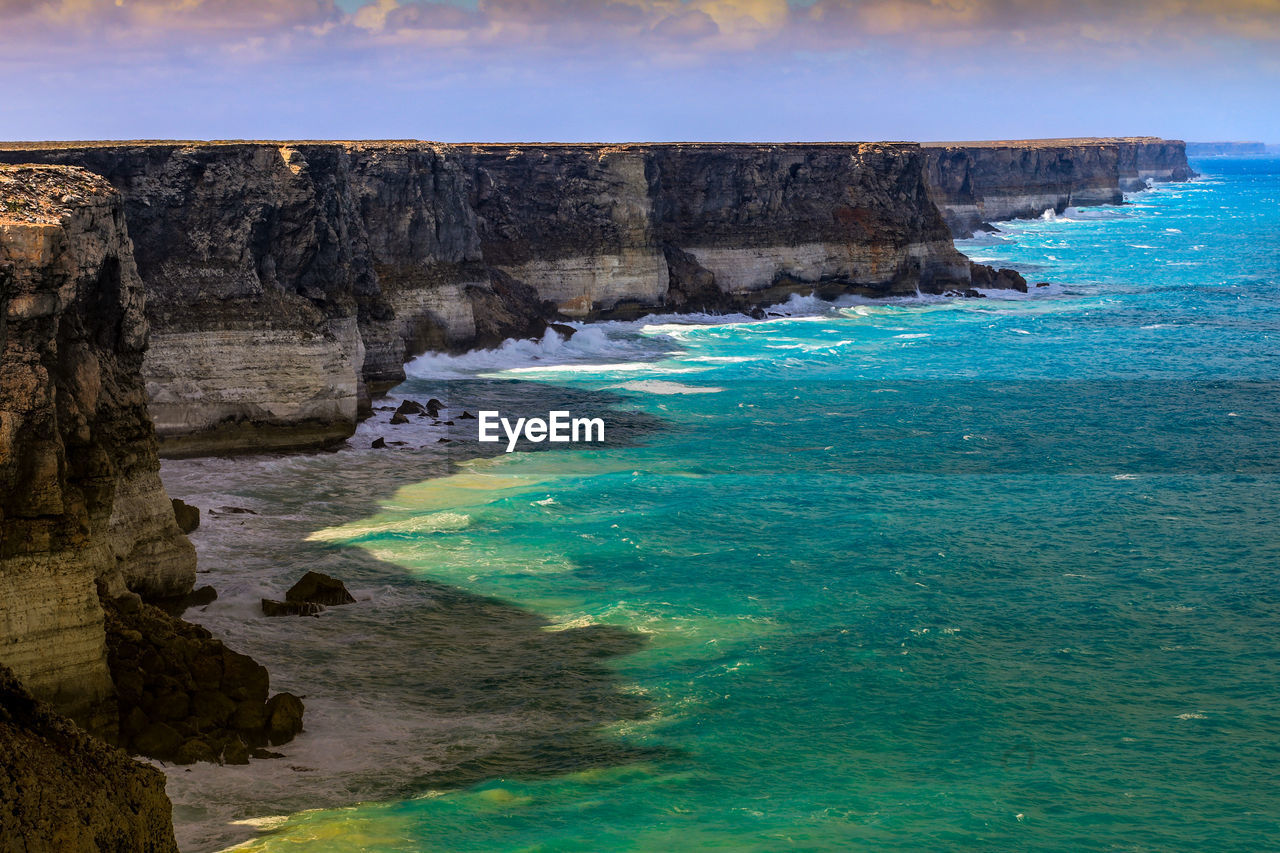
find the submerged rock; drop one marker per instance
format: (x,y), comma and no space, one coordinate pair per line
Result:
(317,588)
(566,332)
(290,608)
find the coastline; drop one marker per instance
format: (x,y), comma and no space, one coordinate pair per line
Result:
(621,641)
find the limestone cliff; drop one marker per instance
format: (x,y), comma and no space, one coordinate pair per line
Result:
(289,281)
(81,504)
(982,182)
(62,790)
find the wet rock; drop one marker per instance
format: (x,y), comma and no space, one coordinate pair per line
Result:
(265,753)
(317,588)
(193,751)
(433,407)
(158,740)
(284,718)
(187,516)
(290,608)
(467,416)
(235,752)
(234,510)
(990,278)
(379,444)
(562,330)
(398,419)
(410,407)
(1042,284)
(201,597)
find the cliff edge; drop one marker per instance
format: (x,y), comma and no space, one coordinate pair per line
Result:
(288,282)
(976,183)
(81,503)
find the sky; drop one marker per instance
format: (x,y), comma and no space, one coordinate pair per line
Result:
(639,70)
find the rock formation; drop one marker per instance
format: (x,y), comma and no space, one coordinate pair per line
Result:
(289,282)
(184,696)
(981,182)
(63,790)
(81,504)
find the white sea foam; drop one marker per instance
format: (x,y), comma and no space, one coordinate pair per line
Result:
(662,387)
(434,523)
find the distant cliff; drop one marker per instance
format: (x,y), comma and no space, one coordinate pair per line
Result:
(1229,149)
(287,282)
(981,182)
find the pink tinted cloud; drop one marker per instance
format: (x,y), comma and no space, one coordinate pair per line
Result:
(693,28)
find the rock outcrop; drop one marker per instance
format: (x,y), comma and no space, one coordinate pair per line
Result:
(63,790)
(288,282)
(981,182)
(81,503)
(184,696)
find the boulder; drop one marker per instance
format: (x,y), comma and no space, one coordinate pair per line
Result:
(398,419)
(410,407)
(379,444)
(235,752)
(316,588)
(193,751)
(158,740)
(562,330)
(187,516)
(284,718)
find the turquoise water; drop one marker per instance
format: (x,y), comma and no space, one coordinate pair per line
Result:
(993,574)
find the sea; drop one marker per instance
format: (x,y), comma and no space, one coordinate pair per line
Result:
(929,573)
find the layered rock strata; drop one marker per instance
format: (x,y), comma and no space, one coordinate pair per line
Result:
(81,503)
(976,183)
(289,282)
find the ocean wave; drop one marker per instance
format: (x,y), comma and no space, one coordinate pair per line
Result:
(664,388)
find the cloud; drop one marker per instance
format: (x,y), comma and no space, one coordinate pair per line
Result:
(625,28)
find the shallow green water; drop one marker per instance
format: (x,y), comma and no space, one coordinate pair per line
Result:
(988,574)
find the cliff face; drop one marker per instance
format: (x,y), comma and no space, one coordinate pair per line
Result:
(62,790)
(981,182)
(288,282)
(81,504)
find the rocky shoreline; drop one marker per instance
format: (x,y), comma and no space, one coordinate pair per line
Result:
(208,298)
